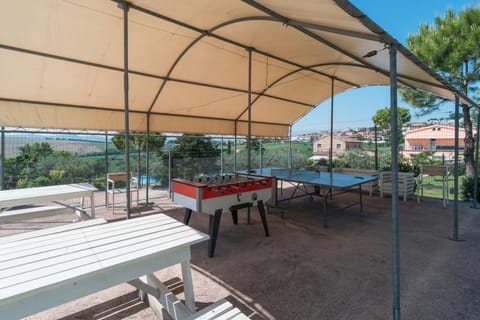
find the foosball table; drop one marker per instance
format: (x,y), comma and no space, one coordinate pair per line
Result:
(217,194)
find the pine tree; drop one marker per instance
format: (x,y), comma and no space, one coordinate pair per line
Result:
(451,47)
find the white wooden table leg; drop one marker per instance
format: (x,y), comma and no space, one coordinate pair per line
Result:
(188,286)
(92,206)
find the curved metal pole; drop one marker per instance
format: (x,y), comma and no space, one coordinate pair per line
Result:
(394,153)
(124,6)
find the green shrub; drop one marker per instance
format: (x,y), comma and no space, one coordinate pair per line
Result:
(40,182)
(99,183)
(466,190)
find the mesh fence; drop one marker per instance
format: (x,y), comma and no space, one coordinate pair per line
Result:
(39,157)
(34,158)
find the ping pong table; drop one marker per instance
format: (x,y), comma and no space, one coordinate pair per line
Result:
(324,184)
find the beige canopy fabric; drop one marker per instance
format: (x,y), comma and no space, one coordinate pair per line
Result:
(189,63)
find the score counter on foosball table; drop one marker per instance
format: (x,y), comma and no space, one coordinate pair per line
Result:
(217,194)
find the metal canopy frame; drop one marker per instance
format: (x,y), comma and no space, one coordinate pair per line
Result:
(305,28)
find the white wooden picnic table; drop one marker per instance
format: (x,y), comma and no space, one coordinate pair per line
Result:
(41,195)
(53,267)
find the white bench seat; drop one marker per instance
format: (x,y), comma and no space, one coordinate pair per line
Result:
(221,310)
(160,298)
(50,194)
(33,212)
(38,234)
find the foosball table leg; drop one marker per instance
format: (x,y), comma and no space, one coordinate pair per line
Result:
(213,226)
(235,216)
(188,214)
(261,211)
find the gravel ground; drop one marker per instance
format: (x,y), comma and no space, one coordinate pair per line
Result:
(306,271)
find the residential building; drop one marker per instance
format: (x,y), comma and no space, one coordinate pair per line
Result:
(438,138)
(321,146)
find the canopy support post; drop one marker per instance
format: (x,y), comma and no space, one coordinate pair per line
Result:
(221,155)
(124,5)
(289,147)
(170,165)
(332,101)
(147,162)
(249,142)
(106,166)
(394,155)
(261,154)
(455,181)
(376,148)
(2,159)
(475,180)
(235,149)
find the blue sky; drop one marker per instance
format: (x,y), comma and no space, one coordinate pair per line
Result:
(355,108)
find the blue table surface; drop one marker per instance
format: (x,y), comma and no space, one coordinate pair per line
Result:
(328,179)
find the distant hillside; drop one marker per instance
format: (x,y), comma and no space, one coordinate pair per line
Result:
(75,146)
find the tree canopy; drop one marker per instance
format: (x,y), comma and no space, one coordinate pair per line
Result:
(38,164)
(138,143)
(194,154)
(382,117)
(451,47)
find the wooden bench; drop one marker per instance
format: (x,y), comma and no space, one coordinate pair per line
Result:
(219,310)
(38,212)
(406,184)
(113,178)
(429,172)
(159,299)
(371,187)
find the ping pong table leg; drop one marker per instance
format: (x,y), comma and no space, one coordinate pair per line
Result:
(302,187)
(325,195)
(361,199)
